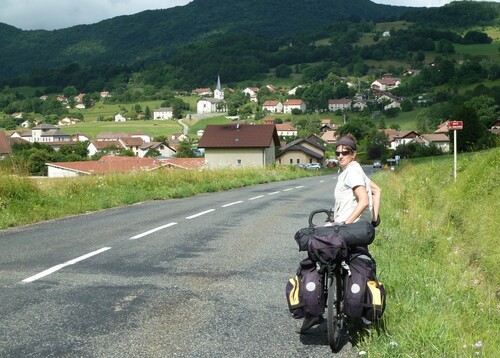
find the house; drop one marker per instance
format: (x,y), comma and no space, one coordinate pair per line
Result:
(163,113)
(46,133)
(495,128)
(210,105)
(112,147)
(120,118)
(5,147)
(359,105)
(293,91)
(273,106)
(397,138)
(329,137)
(385,84)
(202,92)
(286,130)
(164,149)
(105,94)
(339,104)
(239,145)
(292,104)
(252,93)
(68,121)
(271,88)
(301,151)
(442,128)
(440,140)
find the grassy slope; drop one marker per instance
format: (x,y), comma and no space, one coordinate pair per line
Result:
(438,256)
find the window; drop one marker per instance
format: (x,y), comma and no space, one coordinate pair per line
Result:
(291,161)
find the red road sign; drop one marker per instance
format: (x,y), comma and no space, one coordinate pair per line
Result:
(455,125)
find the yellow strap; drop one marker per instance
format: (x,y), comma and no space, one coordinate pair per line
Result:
(377,297)
(294,293)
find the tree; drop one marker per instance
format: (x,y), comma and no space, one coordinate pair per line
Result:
(473,131)
(185,149)
(283,71)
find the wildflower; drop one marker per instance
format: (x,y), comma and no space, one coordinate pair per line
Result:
(465,346)
(479,344)
(393,344)
(362,353)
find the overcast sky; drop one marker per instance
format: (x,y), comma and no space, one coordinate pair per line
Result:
(58,14)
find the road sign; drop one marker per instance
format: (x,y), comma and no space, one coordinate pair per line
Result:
(455,125)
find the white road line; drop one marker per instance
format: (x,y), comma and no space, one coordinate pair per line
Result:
(288,189)
(230,204)
(256,197)
(67,263)
(274,192)
(199,214)
(298,187)
(152,231)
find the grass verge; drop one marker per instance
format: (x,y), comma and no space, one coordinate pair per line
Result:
(26,200)
(438,256)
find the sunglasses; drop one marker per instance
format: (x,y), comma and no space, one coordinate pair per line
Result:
(344,153)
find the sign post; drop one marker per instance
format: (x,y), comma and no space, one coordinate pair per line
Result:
(454,126)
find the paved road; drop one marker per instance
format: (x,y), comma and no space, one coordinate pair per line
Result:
(197,277)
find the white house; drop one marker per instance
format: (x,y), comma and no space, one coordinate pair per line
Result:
(252,93)
(339,104)
(292,104)
(120,118)
(212,105)
(286,130)
(163,113)
(273,106)
(386,83)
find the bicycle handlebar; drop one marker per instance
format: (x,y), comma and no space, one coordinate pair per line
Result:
(328,212)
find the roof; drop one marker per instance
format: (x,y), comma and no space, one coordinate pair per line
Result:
(113,164)
(285,127)
(294,102)
(271,103)
(436,137)
(340,101)
(4,144)
(237,135)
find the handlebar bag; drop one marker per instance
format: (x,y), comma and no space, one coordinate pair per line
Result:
(327,248)
(360,233)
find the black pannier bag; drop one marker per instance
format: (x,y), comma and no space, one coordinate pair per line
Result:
(360,233)
(304,292)
(364,295)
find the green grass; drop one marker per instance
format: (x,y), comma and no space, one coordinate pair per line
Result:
(438,257)
(26,200)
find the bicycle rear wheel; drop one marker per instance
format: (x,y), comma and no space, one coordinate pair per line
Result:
(335,321)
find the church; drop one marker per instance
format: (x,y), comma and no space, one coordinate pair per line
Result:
(213,104)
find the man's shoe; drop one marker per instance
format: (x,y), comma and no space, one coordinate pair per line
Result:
(309,322)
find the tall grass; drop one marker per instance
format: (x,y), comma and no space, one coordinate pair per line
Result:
(26,200)
(438,256)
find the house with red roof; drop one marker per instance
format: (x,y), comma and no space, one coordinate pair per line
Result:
(286,130)
(239,145)
(292,104)
(272,106)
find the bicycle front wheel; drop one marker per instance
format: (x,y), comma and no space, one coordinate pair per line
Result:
(335,320)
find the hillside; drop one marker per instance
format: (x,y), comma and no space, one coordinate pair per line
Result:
(156,34)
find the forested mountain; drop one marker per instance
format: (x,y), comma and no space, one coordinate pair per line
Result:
(156,34)
(188,46)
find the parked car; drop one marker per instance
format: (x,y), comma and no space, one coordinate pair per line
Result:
(313,166)
(300,165)
(332,163)
(377,164)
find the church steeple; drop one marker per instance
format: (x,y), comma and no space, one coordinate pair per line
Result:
(218,93)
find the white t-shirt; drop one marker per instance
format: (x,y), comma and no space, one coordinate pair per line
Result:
(345,200)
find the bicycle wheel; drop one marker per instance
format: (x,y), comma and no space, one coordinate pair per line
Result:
(335,320)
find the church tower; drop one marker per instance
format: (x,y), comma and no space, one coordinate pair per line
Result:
(218,93)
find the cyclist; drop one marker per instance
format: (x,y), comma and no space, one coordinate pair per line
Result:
(356,198)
